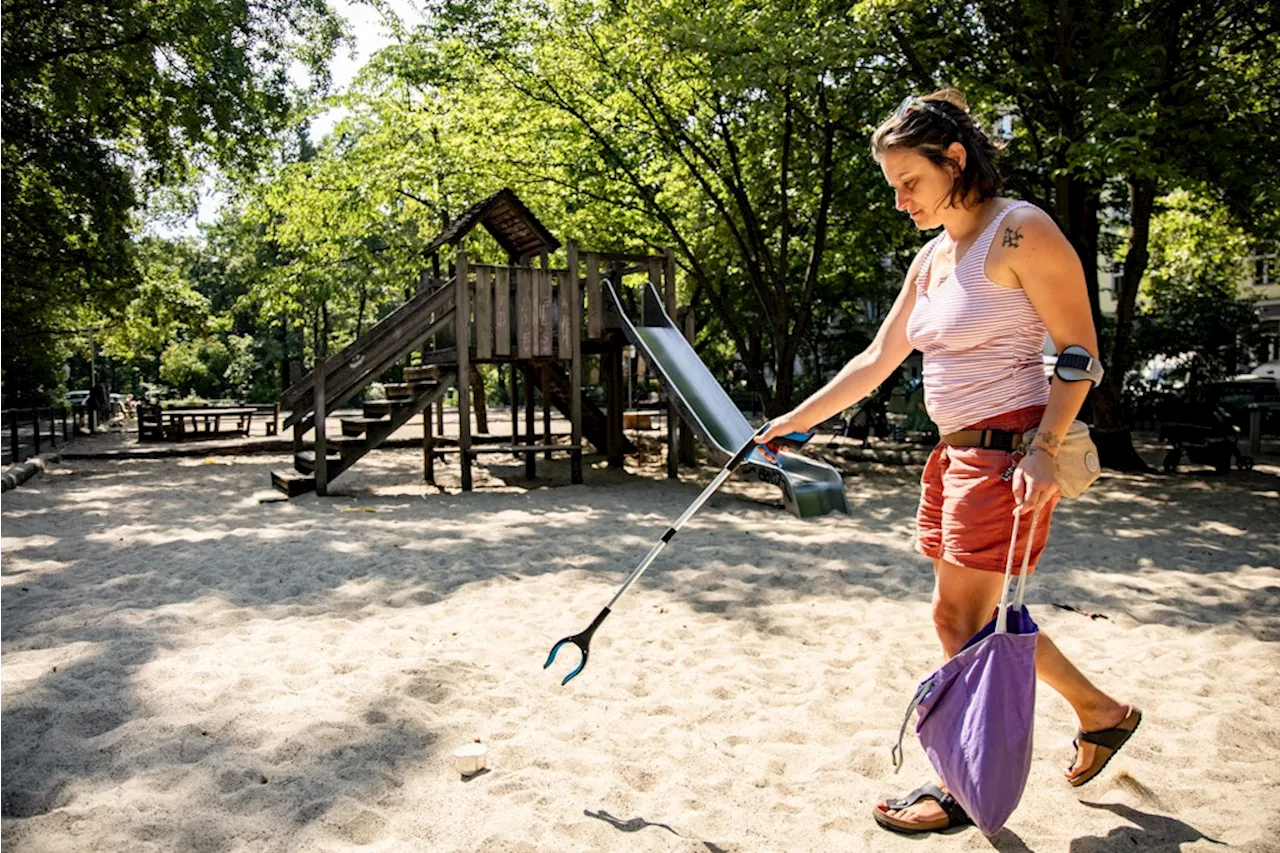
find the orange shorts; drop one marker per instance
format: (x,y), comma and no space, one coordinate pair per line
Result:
(966,507)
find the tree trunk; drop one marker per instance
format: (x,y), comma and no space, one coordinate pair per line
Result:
(1077,205)
(1115,444)
(478,401)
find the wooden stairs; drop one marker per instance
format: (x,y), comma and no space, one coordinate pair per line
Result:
(406,329)
(378,420)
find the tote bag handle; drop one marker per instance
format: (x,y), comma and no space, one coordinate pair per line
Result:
(1002,618)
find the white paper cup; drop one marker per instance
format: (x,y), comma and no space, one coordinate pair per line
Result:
(470,758)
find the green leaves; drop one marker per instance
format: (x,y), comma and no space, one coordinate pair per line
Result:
(105,102)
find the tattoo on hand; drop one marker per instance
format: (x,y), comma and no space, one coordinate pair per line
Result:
(1012,237)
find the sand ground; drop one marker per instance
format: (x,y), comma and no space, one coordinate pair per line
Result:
(188,668)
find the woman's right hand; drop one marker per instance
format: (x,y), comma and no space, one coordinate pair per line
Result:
(781,425)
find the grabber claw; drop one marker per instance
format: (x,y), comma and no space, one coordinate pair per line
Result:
(582,641)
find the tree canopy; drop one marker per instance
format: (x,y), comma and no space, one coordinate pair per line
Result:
(735,133)
(106,103)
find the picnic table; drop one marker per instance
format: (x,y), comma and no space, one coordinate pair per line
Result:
(178,424)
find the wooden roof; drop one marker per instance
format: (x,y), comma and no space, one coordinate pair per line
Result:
(504,216)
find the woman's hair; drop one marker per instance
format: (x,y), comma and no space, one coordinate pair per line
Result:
(933,123)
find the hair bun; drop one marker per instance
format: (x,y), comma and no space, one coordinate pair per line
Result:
(954,97)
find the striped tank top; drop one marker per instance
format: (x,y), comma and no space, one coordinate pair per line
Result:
(982,343)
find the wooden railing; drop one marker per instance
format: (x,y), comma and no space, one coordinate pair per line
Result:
(27,429)
(347,373)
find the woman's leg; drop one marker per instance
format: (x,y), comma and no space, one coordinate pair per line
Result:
(963,601)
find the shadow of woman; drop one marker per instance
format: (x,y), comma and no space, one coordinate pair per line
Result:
(1151,832)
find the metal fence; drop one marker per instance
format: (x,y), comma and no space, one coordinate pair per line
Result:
(30,432)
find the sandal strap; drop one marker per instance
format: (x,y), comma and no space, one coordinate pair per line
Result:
(1112,739)
(955,814)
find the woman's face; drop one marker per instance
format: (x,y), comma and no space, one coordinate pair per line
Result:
(921,188)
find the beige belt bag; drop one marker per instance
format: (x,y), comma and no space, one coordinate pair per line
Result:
(1077,460)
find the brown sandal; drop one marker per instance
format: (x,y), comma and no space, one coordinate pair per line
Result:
(953,814)
(1108,743)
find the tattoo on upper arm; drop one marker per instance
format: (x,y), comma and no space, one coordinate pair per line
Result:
(1012,237)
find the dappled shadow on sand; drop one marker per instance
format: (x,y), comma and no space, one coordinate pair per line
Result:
(98,555)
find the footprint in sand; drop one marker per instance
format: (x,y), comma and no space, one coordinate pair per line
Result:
(428,690)
(638,778)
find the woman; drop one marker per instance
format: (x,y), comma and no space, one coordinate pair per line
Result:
(978,301)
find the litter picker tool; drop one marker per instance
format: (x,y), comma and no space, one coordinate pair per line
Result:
(583,639)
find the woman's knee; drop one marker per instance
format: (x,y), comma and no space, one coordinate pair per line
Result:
(954,623)
(963,600)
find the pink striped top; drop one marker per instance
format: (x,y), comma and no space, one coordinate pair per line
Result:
(982,343)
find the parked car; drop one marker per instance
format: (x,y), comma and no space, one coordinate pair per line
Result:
(77,398)
(1269,370)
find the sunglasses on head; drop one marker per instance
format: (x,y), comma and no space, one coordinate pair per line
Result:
(911,104)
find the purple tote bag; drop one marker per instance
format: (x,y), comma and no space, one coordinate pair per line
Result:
(975,715)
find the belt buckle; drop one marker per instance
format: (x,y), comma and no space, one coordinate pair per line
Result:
(998,439)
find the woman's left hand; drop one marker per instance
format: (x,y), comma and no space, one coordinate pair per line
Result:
(1033,481)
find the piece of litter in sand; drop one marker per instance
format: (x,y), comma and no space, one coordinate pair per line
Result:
(1081,612)
(272,499)
(361,509)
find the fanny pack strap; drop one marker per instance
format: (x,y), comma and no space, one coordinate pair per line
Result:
(1002,618)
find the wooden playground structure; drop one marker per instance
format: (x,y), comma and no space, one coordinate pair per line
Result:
(539,322)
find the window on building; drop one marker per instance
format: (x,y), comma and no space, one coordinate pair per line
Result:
(1117,278)
(1264,270)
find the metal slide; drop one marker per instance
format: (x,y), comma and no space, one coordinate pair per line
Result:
(809,488)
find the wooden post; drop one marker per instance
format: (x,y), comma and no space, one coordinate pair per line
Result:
(15,446)
(53,428)
(575,363)
(665,268)
(546,409)
(1255,430)
(530,463)
(321,447)
(462,309)
(688,450)
(428,447)
(515,405)
(614,394)
(35,422)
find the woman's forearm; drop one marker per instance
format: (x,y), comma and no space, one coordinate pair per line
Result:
(1065,400)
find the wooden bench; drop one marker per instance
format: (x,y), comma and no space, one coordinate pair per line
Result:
(270,411)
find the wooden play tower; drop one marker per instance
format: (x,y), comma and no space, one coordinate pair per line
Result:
(537,321)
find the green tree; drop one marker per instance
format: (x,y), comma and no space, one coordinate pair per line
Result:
(1191,298)
(1113,104)
(104,104)
(736,133)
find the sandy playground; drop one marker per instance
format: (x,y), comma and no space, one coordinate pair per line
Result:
(187,668)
